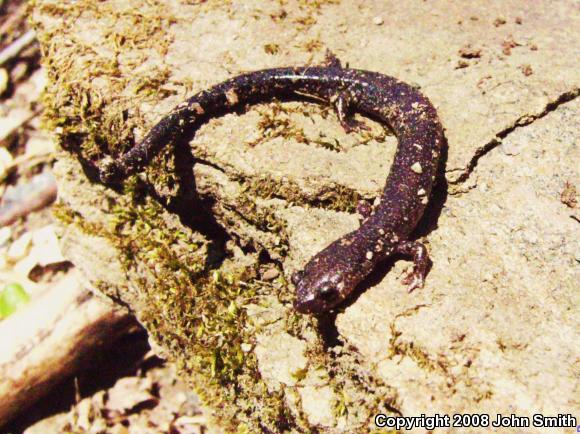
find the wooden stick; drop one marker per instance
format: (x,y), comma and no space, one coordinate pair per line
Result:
(40,192)
(48,340)
(13,19)
(17,46)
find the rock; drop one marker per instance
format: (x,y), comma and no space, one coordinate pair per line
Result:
(431,337)
(492,327)
(270,274)
(129,393)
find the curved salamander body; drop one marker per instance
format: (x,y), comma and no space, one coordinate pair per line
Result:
(332,274)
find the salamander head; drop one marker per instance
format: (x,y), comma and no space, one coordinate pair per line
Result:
(323,284)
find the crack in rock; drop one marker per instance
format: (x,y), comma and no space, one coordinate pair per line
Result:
(523,121)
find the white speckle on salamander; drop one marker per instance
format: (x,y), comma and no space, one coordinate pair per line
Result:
(369,255)
(421,192)
(416,167)
(424,200)
(196,107)
(382,231)
(418,146)
(377,201)
(232,96)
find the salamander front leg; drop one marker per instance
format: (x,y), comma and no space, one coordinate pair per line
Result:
(331,61)
(416,278)
(343,107)
(364,210)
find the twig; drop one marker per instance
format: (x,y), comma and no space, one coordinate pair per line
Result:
(17,46)
(25,161)
(14,18)
(52,338)
(37,198)
(4,135)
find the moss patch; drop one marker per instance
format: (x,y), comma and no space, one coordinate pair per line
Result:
(333,197)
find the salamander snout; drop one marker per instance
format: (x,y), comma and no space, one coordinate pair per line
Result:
(316,292)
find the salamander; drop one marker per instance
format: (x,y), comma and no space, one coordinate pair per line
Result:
(333,273)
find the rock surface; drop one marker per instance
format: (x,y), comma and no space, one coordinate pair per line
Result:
(494,327)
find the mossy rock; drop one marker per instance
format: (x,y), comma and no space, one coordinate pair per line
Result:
(186,246)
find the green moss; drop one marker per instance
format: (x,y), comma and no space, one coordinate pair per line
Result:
(271,48)
(409,349)
(312,45)
(93,118)
(263,219)
(202,320)
(68,216)
(275,121)
(333,197)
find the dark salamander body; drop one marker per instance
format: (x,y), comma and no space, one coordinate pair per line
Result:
(333,273)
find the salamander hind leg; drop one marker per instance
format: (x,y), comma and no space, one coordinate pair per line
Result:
(416,278)
(343,106)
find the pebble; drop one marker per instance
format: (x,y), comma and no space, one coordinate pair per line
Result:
(19,71)
(19,248)
(45,246)
(270,274)
(6,161)
(378,20)
(5,234)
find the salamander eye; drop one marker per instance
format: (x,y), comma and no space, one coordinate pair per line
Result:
(328,293)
